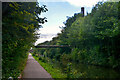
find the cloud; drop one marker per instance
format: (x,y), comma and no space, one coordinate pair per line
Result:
(83,3)
(50,30)
(47,33)
(45,37)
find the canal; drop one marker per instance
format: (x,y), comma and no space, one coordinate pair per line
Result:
(90,71)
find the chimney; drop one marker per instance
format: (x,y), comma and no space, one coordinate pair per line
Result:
(82,11)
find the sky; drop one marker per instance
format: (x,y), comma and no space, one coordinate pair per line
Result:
(56,15)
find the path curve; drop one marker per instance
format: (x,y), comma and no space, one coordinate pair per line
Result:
(34,70)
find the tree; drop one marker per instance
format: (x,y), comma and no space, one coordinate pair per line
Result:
(20,22)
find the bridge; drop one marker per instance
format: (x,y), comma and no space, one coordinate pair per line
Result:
(52,46)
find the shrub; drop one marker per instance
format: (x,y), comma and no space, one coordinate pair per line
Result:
(36,55)
(33,54)
(40,58)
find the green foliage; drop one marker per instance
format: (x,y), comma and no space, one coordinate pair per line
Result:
(94,39)
(19,23)
(33,54)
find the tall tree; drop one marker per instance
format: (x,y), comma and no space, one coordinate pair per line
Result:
(20,22)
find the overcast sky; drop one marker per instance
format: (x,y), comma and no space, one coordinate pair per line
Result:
(56,15)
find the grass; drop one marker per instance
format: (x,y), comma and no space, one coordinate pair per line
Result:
(54,71)
(23,64)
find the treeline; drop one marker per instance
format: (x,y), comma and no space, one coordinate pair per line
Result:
(95,38)
(19,24)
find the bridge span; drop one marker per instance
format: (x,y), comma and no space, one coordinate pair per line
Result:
(52,46)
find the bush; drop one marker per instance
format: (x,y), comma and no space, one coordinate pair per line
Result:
(40,58)
(33,54)
(36,55)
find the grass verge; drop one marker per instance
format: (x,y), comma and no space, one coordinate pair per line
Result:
(54,72)
(23,63)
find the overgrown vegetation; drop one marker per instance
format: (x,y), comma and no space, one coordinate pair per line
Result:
(95,39)
(19,24)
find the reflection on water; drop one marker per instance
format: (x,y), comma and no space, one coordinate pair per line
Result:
(90,71)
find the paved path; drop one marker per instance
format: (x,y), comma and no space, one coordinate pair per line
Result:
(34,70)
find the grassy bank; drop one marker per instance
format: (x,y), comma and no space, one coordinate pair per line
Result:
(54,71)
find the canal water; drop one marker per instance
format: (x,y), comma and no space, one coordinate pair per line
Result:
(90,71)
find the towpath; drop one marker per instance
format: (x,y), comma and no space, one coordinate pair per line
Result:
(34,70)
